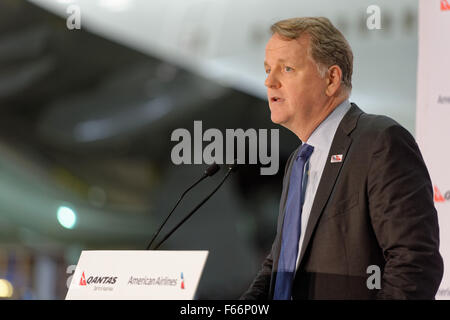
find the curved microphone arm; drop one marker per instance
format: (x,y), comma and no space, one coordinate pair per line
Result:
(210,171)
(230,170)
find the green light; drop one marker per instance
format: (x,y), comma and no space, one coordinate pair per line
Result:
(67,217)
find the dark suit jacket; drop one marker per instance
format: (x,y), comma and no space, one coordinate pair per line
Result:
(373,208)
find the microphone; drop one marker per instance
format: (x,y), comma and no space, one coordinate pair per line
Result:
(210,171)
(231,168)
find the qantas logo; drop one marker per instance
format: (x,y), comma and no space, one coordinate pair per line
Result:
(438,197)
(445,6)
(97,280)
(83,280)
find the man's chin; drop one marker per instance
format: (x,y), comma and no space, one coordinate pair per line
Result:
(277,120)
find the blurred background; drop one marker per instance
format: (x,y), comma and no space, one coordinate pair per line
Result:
(86,118)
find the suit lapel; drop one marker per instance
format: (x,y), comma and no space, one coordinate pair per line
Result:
(340,145)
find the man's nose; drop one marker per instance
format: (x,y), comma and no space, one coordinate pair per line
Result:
(272,81)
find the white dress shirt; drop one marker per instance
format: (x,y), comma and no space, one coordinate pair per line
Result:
(321,140)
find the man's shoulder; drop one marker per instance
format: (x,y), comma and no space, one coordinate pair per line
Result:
(371,126)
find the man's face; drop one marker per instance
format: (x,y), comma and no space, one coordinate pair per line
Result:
(295,89)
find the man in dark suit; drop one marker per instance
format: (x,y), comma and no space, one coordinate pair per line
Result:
(357,196)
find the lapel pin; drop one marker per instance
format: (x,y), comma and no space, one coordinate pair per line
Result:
(336,158)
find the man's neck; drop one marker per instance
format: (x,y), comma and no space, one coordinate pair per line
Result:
(304,133)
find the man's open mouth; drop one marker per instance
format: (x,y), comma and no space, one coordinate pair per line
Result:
(276,99)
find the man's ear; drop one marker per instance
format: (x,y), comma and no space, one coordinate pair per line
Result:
(334,79)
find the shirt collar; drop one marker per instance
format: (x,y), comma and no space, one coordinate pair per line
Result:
(323,135)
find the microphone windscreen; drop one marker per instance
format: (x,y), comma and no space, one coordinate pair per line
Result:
(233,167)
(212,169)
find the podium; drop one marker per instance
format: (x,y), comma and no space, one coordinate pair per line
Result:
(137,275)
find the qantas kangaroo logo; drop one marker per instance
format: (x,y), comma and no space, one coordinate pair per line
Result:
(445,6)
(83,280)
(438,197)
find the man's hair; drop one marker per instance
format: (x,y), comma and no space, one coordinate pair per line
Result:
(327,44)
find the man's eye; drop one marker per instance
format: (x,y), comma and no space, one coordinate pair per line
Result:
(267,71)
(288,69)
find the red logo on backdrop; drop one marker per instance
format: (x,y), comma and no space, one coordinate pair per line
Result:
(438,197)
(83,280)
(445,6)
(182,281)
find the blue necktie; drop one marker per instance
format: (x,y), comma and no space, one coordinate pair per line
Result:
(291,227)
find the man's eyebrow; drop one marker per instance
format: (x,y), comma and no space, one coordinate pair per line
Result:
(279,60)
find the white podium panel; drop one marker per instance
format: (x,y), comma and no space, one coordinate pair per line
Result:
(139,275)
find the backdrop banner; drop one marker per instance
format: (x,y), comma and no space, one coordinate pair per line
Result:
(433,114)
